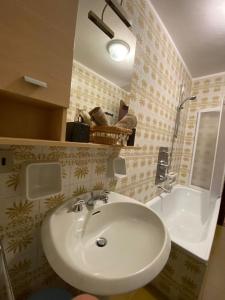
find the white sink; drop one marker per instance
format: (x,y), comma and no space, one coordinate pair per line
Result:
(135,245)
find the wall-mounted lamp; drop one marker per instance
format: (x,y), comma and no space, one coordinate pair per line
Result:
(118,9)
(101,25)
(118,50)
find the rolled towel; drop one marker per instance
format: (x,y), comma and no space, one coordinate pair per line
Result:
(129,121)
(85,116)
(98,116)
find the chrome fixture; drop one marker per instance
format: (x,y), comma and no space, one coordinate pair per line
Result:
(164,189)
(100,23)
(35,81)
(78,205)
(102,197)
(177,120)
(162,178)
(179,108)
(118,9)
(101,242)
(191,98)
(162,165)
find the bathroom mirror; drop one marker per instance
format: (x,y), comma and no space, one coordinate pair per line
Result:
(91,44)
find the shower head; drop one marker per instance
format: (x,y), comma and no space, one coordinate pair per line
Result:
(191,98)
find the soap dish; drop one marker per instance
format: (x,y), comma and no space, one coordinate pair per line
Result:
(117,167)
(41,179)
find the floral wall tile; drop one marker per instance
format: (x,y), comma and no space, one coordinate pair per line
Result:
(158,73)
(182,275)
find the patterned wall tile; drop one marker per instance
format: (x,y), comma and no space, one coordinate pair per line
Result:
(82,170)
(182,277)
(158,73)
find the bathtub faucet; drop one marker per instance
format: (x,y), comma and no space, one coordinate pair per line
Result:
(164,189)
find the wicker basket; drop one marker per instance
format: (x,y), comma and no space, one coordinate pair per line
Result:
(109,135)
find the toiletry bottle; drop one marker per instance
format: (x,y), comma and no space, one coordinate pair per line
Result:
(77,131)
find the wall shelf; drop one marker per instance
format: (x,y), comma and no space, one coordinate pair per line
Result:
(36,142)
(24,117)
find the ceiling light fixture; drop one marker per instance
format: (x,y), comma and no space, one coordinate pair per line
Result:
(118,50)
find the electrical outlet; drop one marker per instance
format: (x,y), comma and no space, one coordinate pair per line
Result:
(6,160)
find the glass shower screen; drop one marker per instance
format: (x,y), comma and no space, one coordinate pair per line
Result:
(205,146)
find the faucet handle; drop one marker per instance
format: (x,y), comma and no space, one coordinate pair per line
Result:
(78,205)
(104,196)
(163,163)
(162,177)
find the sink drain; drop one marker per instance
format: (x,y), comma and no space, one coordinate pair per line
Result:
(101,242)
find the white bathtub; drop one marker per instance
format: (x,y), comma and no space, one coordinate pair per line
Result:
(190,217)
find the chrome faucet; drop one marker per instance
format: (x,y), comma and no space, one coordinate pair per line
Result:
(164,189)
(79,203)
(102,197)
(162,163)
(162,178)
(77,206)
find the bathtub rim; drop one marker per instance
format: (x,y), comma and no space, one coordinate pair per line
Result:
(202,249)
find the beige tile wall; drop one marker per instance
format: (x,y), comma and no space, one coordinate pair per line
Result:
(20,220)
(158,73)
(88,90)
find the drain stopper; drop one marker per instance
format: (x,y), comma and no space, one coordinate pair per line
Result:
(101,242)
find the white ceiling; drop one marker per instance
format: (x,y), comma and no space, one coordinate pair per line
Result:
(197,28)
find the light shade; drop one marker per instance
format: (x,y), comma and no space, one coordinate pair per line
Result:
(118,50)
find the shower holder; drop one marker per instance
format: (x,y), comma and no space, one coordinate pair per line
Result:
(162,165)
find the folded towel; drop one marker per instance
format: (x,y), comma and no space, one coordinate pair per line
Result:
(129,121)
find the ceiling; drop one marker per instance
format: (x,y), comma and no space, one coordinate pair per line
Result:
(197,27)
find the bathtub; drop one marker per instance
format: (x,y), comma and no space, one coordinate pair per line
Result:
(190,217)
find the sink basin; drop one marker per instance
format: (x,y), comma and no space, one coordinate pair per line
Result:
(111,249)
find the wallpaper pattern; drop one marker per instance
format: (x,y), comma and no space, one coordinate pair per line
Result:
(155,87)
(158,73)
(82,170)
(88,90)
(182,277)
